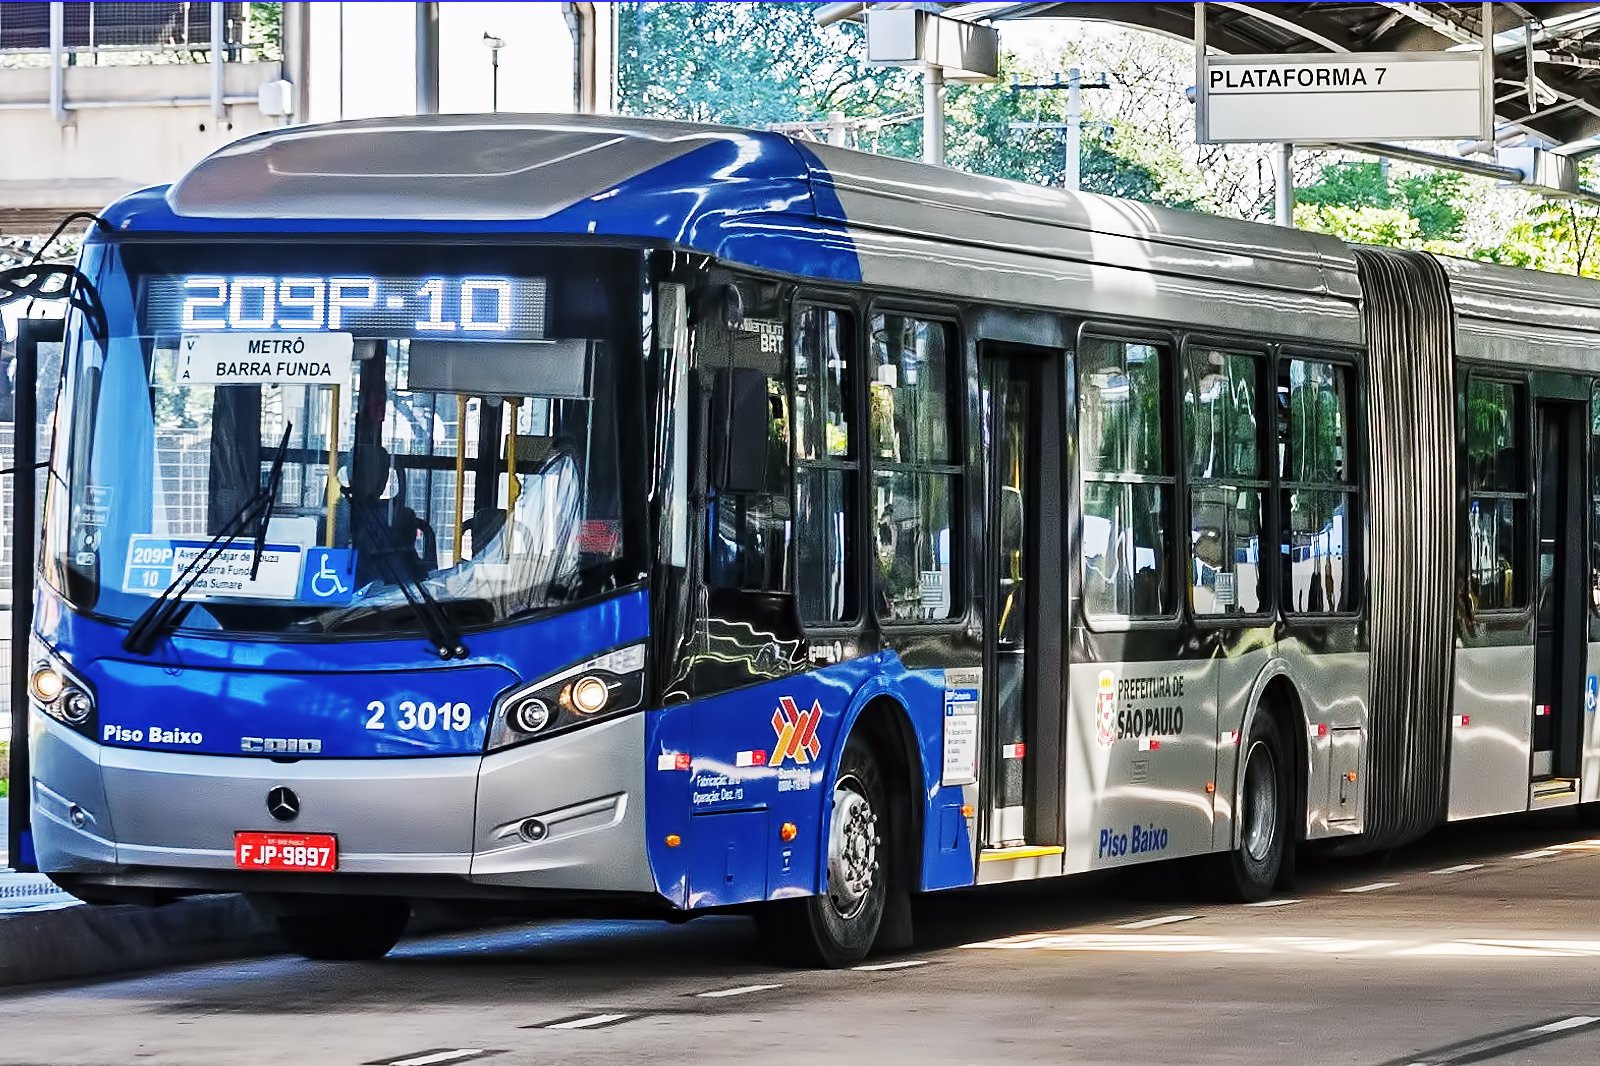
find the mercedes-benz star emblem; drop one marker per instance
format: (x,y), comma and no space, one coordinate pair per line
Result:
(283,804)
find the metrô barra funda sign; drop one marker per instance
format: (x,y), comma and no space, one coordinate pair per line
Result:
(1367,96)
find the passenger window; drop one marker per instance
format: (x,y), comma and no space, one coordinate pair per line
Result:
(750,531)
(1497,504)
(916,476)
(826,465)
(1319,487)
(1128,479)
(1594,503)
(1227,486)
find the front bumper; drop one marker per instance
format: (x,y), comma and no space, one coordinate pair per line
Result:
(417,826)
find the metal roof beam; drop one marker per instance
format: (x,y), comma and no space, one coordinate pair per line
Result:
(1313,29)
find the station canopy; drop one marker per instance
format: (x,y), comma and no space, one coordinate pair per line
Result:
(1547,56)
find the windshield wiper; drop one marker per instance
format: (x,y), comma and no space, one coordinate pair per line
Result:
(274,478)
(444,634)
(167,611)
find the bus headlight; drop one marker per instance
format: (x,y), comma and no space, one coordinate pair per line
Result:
(602,687)
(58,692)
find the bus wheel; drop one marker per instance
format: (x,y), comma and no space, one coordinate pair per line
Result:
(838,927)
(1248,873)
(344,933)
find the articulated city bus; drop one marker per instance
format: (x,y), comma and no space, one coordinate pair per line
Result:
(552,513)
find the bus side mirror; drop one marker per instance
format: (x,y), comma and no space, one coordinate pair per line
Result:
(740,430)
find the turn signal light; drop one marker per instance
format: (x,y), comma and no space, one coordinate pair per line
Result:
(1351,776)
(968,810)
(788,831)
(673,840)
(1211,788)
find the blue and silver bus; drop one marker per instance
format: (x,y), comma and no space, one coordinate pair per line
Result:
(555,514)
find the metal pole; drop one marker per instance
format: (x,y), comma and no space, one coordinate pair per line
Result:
(218,73)
(933,114)
(838,129)
(24,424)
(297,57)
(494,89)
(427,58)
(1486,78)
(58,61)
(1202,124)
(1074,129)
(1283,173)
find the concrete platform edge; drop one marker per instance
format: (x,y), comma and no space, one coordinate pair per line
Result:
(83,942)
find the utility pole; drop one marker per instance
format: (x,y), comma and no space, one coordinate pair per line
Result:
(933,114)
(494,44)
(1071,130)
(1283,179)
(427,58)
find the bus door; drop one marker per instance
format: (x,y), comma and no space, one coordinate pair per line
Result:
(1024,676)
(1561,634)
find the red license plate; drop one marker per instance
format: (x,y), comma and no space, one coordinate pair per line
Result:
(305,852)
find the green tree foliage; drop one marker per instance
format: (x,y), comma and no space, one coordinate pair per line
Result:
(747,64)
(1390,226)
(1430,200)
(1557,235)
(764,63)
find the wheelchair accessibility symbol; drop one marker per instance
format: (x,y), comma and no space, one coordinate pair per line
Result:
(325,583)
(329,576)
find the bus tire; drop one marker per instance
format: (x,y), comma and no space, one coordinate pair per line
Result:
(838,927)
(1248,873)
(345,934)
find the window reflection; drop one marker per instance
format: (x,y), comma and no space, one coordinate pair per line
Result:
(1125,564)
(1319,487)
(1497,511)
(917,476)
(912,531)
(1226,535)
(1119,407)
(1128,482)
(1222,445)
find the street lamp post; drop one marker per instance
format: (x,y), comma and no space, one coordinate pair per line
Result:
(494,44)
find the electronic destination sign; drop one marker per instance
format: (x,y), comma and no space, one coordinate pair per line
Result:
(454,307)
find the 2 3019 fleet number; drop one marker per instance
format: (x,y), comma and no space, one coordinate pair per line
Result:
(413,717)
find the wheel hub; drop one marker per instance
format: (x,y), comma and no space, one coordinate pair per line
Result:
(1260,802)
(852,848)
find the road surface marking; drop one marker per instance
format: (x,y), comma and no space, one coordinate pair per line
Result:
(1165,919)
(437,1057)
(1503,1043)
(902,964)
(1272,903)
(1459,869)
(588,1021)
(1374,887)
(744,990)
(1542,853)
(1485,950)
(1579,845)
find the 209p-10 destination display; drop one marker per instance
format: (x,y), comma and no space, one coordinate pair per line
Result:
(364,305)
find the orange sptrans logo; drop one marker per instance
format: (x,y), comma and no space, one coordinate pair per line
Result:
(797,732)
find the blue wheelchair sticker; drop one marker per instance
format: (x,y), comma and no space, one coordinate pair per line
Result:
(329,576)
(1591,694)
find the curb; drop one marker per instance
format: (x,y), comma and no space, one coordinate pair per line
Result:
(84,941)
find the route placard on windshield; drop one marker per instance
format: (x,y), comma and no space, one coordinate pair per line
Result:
(288,572)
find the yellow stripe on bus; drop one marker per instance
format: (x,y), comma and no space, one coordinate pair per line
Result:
(1007,854)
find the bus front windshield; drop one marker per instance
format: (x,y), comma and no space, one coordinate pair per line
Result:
(438,422)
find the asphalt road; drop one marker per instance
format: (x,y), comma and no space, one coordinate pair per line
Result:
(1481,944)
